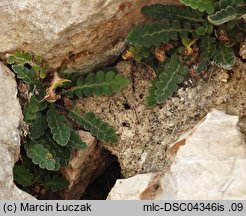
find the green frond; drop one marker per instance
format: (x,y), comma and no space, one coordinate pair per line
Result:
(157,33)
(172,12)
(167,83)
(100,83)
(95,125)
(58,126)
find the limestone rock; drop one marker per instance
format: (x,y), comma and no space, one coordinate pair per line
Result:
(145,134)
(208,162)
(84,166)
(242,52)
(10,117)
(80,31)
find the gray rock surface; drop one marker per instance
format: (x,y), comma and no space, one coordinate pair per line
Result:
(10,117)
(208,163)
(80,31)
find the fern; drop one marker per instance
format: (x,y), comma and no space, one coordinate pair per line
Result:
(207,47)
(101,83)
(172,74)
(95,125)
(173,12)
(62,153)
(226,14)
(224,57)
(23,176)
(54,183)
(20,57)
(42,156)
(37,127)
(157,33)
(201,5)
(58,126)
(27,75)
(75,141)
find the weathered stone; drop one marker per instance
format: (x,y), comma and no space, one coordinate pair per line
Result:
(10,117)
(84,166)
(242,52)
(81,32)
(208,162)
(145,134)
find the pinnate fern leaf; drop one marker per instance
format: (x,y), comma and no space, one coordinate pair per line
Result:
(172,74)
(173,12)
(58,126)
(100,83)
(22,176)
(37,127)
(95,125)
(201,5)
(27,75)
(227,14)
(41,156)
(157,33)
(224,57)
(75,141)
(55,183)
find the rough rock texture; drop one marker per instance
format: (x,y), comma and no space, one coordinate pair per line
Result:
(145,134)
(82,32)
(84,167)
(10,117)
(243,49)
(138,187)
(208,162)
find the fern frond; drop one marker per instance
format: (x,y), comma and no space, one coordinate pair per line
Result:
(201,5)
(27,75)
(62,153)
(75,141)
(55,183)
(41,156)
(157,33)
(95,125)
(172,74)
(224,57)
(207,47)
(37,127)
(22,175)
(101,83)
(173,12)
(226,14)
(58,126)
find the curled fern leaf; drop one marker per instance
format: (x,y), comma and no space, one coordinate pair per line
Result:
(95,125)
(172,74)
(58,126)
(224,57)
(22,176)
(173,12)
(201,5)
(55,183)
(101,83)
(41,156)
(157,33)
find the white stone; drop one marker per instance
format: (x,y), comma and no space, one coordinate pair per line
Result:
(80,31)
(208,162)
(10,117)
